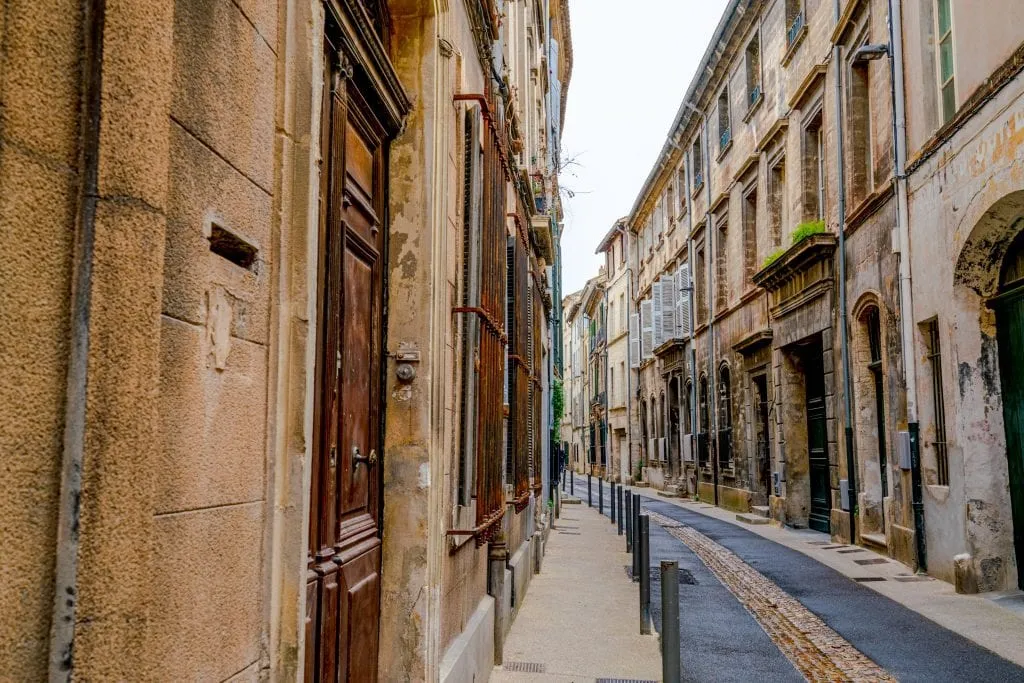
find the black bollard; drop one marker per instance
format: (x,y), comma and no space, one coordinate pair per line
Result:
(636,536)
(613,502)
(620,509)
(600,496)
(590,493)
(629,522)
(645,575)
(572,483)
(670,665)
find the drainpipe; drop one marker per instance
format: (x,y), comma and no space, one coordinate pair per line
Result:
(687,160)
(851,461)
(906,292)
(629,373)
(62,622)
(607,387)
(712,383)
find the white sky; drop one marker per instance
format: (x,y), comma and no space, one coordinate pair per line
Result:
(632,63)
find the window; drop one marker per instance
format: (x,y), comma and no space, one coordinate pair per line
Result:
(622,250)
(702,407)
(753,60)
(722,265)
(814,169)
(945,42)
(681,182)
(858,107)
(777,198)
(931,329)
(518,329)
(724,125)
(659,219)
(724,418)
(697,159)
(622,313)
(687,408)
(749,234)
(670,205)
(794,20)
(700,287)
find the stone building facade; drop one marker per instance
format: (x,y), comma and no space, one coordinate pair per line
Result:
(241,300)
(827,260)
(615,247)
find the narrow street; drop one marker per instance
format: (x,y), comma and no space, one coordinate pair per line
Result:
(750,604)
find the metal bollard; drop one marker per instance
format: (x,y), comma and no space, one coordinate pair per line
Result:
(636,536)
(613,503)
(629,521)
(600,496)
(620,509)
(645,575)
(590,493)
(670,665)
(572,483)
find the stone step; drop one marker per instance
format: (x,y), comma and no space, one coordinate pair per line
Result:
(748,518)
(875,542)
(760,511)
(571,501)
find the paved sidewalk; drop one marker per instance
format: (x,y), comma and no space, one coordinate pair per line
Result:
(580,620)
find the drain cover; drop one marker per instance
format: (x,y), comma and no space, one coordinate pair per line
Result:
(524,667)
(873,560)
(623,680)
(867,579)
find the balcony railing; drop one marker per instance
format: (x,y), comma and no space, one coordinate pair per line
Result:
(597,399)
(794,28)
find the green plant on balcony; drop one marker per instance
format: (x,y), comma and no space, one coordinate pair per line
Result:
(802,232)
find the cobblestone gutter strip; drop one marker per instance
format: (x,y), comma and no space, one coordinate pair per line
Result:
(818,652)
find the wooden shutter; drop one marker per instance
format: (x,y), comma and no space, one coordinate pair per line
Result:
(646,329)
(657,313)
(685,316)
(668,308)
(634,340)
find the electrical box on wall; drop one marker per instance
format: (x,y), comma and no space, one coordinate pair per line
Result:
(903,448)
(844,495)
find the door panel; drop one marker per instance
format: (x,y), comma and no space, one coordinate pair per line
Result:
(343,597)
(1010,318)
(817,443)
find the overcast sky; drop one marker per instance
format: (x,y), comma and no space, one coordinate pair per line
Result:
(632,63)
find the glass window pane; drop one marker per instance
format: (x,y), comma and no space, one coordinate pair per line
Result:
(943,17)
(948,102)
(946,59)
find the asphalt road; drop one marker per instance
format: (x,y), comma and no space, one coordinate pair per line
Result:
(721,641)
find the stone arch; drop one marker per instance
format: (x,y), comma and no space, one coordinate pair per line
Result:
(724,406)
(872,442)
(977,265)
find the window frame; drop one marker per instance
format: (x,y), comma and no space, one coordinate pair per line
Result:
(940,39)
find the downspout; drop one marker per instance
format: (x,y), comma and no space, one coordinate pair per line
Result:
(65,595)
(906,292)
(629,375)
(687,160)
(607,387)
(844,344)
(712,385)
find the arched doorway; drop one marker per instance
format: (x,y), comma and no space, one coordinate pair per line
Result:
(673,426)
(1009,307)
(871,430)
(724,417)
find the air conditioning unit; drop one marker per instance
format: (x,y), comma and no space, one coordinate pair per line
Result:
(687,448)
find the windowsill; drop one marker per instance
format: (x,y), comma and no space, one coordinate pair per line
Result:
(753,108)
(722,151)
(794,46)
(697,188)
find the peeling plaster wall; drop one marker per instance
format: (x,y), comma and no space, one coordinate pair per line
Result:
(962,204)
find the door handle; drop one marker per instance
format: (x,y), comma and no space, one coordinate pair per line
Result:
(368,460)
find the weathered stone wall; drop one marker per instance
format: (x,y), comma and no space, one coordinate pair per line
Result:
(40,100)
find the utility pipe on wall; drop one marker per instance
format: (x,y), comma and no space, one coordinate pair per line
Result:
(844,336)
(899,101)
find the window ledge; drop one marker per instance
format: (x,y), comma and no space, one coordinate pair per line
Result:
(697,188)
(754,106)
(791,51)
(724,150)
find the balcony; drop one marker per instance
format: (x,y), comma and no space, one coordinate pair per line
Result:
(597,400)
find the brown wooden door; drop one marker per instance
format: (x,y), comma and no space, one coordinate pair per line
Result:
(343,589)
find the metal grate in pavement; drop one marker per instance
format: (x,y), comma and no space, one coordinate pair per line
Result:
(524,667)
(623,680)
(867,579)
(912,579)
(873,560)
